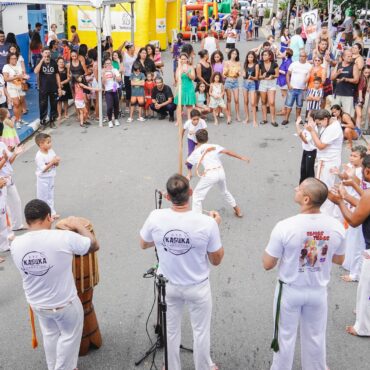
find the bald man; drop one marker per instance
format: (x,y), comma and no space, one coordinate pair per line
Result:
(306,245)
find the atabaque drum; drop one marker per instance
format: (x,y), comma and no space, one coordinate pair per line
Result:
(86,274)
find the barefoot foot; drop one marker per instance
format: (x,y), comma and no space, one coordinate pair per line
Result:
(351,330)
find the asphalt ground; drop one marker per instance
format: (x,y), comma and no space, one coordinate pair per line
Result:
(109,176)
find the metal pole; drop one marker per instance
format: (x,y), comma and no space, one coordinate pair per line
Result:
(179,117)
(132,23)
(330,11)
(100,94)
(288,16)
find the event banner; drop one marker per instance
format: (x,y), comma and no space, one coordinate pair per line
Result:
(309,22)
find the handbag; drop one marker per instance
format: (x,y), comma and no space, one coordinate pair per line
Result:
(25,86)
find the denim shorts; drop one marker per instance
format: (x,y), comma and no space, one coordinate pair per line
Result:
(294,95)
(249,85)
(231,83)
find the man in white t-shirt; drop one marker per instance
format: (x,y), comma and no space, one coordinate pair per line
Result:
(186,243)
(297,79)
(44,259)
(208,155)
(327,136)
(306,246)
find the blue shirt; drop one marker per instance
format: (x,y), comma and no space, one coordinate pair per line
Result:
(194,21)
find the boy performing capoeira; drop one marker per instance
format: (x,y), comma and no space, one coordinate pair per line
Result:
(208,155)
(306,246)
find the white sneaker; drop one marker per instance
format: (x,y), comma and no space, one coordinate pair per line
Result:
(110,124)
(18,125)
(116,122)
(141,119)
(222,115)
(129,119)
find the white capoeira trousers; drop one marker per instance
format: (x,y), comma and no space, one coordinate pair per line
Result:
(14,204)
(45,191)
(323,173)
(206,182)
(307,307)
(355,245)
(362,325)
(198,298)
(4,242)
(62,332)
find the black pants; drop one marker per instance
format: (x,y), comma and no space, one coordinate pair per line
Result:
(127,89)
(308,164)
(46,98)
(111,98)
(169,108)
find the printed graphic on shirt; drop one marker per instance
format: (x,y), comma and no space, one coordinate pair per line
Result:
(177,242)
(48,69)
(314,251)
(35,263)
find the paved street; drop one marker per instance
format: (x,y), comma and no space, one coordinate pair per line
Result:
(109,176)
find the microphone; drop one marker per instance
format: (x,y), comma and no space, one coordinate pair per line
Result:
(151,271)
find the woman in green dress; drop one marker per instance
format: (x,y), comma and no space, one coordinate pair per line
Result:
(187,73)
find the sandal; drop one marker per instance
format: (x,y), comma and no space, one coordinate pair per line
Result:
(263,122)
(274,124)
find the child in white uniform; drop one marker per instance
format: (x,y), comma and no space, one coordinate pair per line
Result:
(208,155)
(192,125)
(13,200)
(46,162)
(355,242)
(4,242)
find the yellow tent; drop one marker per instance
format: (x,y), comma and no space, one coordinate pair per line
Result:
(154,20)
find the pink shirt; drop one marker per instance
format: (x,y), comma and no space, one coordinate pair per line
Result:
(79,94)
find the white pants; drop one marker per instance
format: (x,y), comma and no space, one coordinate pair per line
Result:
(199,301)
(45,191)
(355,245)
(362,325)
(4,242)
(14,204)
(205,183)
(306,307)
(323,173)
(62,332)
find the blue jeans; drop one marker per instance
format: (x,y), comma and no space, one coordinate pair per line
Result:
(294,95)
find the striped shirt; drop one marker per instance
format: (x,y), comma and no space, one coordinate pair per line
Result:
(314,104)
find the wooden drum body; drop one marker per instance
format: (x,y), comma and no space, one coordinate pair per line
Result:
(86,274)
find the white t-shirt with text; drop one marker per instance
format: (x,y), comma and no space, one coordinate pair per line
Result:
(305,245)
(183,240)
(44,259)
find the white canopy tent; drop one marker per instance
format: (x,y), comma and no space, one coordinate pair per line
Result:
(102,9)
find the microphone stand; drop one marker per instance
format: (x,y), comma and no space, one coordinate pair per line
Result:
(161,326)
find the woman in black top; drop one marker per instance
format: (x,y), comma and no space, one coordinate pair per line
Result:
(77,65)
(204,69)
(146,64)
(250,85)
(65,78)
(268,73)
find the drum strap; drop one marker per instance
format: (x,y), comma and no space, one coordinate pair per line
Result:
(275,341)
(82,274)
(33,328)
